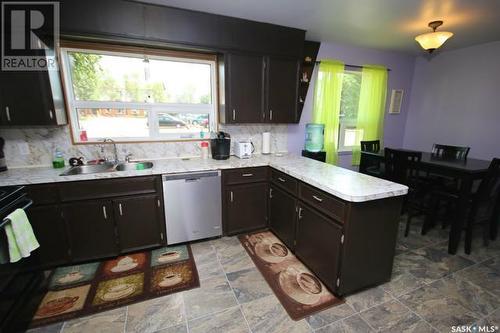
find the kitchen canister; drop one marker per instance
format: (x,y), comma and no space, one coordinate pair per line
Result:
(314,137)
(266,143)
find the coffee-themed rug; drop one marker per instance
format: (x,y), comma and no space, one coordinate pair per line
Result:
(300,292)
(80,290)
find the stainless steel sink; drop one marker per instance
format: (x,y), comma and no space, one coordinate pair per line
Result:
(86,169)
(134,166)
(107,167)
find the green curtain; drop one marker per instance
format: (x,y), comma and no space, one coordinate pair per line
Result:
(371,109)
(326,110)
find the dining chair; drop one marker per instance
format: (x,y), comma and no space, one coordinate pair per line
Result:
(372,146)
(482,206)
(403,166)
(367,165)
(450,152)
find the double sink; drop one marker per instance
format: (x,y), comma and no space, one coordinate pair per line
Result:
(107,167)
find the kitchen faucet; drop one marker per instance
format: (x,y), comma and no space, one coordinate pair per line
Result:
(115,151)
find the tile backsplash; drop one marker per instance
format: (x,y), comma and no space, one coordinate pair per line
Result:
(35,146)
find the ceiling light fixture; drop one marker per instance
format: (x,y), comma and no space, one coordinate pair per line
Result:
(433,40)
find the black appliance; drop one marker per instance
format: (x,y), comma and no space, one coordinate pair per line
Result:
(19,285)
(220,146)
(318,156)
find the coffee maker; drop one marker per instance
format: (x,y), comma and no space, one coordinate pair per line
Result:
(220,145)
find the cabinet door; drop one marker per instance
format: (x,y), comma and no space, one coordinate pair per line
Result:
(245,80)
(139,222)
(27,99)
(318,244)
(282,87)
(282,215)
(246,207)
(50,231)
(91,229)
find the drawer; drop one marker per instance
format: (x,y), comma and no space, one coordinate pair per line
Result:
(43,194)
(284,181)
(324,202)
(107,188)
(245,175)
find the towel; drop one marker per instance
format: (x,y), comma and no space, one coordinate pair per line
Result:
(20,236)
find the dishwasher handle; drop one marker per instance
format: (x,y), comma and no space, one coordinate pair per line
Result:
(191,176)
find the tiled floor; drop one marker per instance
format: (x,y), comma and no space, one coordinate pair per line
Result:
(429,292)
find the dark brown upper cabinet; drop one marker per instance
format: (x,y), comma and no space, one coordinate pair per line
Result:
(258,89)
(282,81)
(244,89)
(31,98)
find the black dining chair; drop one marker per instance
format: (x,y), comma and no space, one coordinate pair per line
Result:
(482,206)
(403,166)
(367,165)
(450,152)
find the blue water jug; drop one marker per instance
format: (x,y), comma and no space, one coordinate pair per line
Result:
(314,137)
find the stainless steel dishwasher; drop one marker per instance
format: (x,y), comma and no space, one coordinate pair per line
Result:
(192,206)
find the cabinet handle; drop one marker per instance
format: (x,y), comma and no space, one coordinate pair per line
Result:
(158,203)
(247,175)
(51,114)
(234,114)
(270,114)
(231,196)
(270,193)
(281,180)
(7,113)
(120,209)
(318,199)
(104,212)
(300,213)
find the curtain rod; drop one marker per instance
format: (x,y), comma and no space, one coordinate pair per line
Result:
(352,66)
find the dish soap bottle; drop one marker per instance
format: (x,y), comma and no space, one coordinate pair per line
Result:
(58,161)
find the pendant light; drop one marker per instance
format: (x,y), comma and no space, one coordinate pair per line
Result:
(433,40)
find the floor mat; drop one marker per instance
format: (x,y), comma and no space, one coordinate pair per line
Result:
(80,290)
(300,292)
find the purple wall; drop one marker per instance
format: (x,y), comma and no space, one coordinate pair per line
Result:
(400,77)
(456,100)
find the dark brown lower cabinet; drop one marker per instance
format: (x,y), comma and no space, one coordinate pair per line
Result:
(282,215)
(91,229)
(318,244)
(50,232)
(246,207)
(137,222)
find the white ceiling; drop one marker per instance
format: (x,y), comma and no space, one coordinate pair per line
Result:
(384,24)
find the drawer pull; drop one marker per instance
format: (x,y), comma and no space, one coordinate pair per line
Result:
(318,199)
(281,180)
(247,175)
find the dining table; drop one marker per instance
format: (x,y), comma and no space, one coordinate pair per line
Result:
(466,171)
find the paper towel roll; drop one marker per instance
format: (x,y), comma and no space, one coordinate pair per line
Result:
(266,143)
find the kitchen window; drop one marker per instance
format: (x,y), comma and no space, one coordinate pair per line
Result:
(137,94)
(349,104)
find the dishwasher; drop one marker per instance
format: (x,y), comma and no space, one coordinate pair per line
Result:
(192,204)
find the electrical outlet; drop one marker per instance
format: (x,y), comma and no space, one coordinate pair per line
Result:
(24,148)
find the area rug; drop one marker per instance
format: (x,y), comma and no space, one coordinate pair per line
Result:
(300,292)
(80,290)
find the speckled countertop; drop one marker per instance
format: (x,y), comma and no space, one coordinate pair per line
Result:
(343,183)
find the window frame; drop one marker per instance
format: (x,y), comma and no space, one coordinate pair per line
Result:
(346,125)
(153,109)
